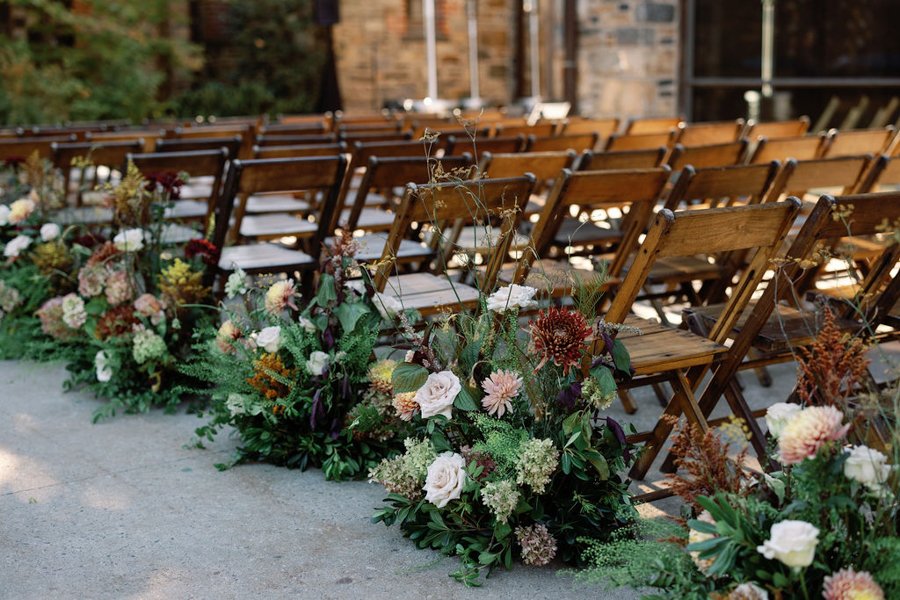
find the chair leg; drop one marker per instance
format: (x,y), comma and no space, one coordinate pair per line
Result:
(627,401)
(661,395)
(683,401)
(762,373)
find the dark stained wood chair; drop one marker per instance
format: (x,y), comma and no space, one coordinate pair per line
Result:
(232,144)
(295,140)
(806,147)
(495,145)
(246,178)
(110,155)
(681,357)
(861,141)
(299,151)
(652,125)
(480,202)
(539,129)
(777,129)
(602,127)
(23,147)
(706,134)
(625,159)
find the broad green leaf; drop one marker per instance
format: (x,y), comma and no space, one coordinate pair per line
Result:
(464,400)
(605,379)
(349,313)
(621,357)
(408,377)
(326,293)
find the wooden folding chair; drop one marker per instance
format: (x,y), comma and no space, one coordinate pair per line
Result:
(576,142)
(713,155)
(626,159)
(775,329)
(602,127)
(215,131)
(856,143)
(382,177)
(246,178)
(495,145)
(482,202)
(706,134)
(300,151)
(652,125)
(807,147)
(232,144)
(200,202)
(110,155)
(680,357)
(777,129)
(640,141)
(545,166)
(148,136)
(318,126)
(636,190)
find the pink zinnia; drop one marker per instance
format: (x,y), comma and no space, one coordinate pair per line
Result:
(810,429)
(501,387)
(848,584)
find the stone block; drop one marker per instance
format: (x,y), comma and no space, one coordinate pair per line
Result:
(654,12)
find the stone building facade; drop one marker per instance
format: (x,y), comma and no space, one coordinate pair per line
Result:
(627,53)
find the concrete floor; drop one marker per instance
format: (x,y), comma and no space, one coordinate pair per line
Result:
(126,509)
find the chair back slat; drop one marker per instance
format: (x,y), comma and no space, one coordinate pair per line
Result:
(23,148)
(652,125)
(777,129)
(576,142)
(232,144)
(798,177)
(723,185)
(602,127)
(855,143)
(807,147)
(640,141)
(295,140)
(543,165)
(626,159)
(304,150)
(479,146)
(705,134)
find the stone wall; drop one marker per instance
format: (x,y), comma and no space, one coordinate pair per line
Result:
(380,50)
(628,60)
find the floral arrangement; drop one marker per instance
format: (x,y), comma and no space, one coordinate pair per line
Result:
(511,457)
(295,376)
(823,524)
(120,311)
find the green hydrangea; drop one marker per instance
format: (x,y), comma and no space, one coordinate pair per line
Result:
(501,497)
(537,462)
(593,395)
(405,474)
(147,345)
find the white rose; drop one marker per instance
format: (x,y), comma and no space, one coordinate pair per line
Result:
(510,297)
(269,338)
(793,543)
(445,480)
(436,396)
(4,215)
(867,466)
(317,362)
(49,231)
(129,240)
(307,325)
(101,366)
(16,245)
(388,306)
(778,415)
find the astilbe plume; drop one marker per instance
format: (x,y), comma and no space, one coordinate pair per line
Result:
(104,252)
(558,335)
(704,466)
(266,368)
(832,367)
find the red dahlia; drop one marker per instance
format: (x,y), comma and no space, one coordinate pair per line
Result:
(558,335)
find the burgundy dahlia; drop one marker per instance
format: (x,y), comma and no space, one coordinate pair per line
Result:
(558,335)
(202,249)
(169,182)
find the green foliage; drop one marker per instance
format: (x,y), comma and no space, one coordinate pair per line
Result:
(106,60)
(279,63)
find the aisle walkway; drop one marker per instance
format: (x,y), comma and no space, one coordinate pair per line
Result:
(124,509)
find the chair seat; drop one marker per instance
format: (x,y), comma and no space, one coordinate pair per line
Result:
(681,269)
(786,328)
(862,248)
(187,209)
(276,203)
(556,278)
(429,294)
(275,225)
(573,232)
(478,238)
(175,234)
(84,215)
(260,258)
(371,248)
(371,219)
(196,189)
(659,348)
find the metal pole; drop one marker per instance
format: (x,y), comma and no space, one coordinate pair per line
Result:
(474,87)
(430,46)
(531,7)
(768,46)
